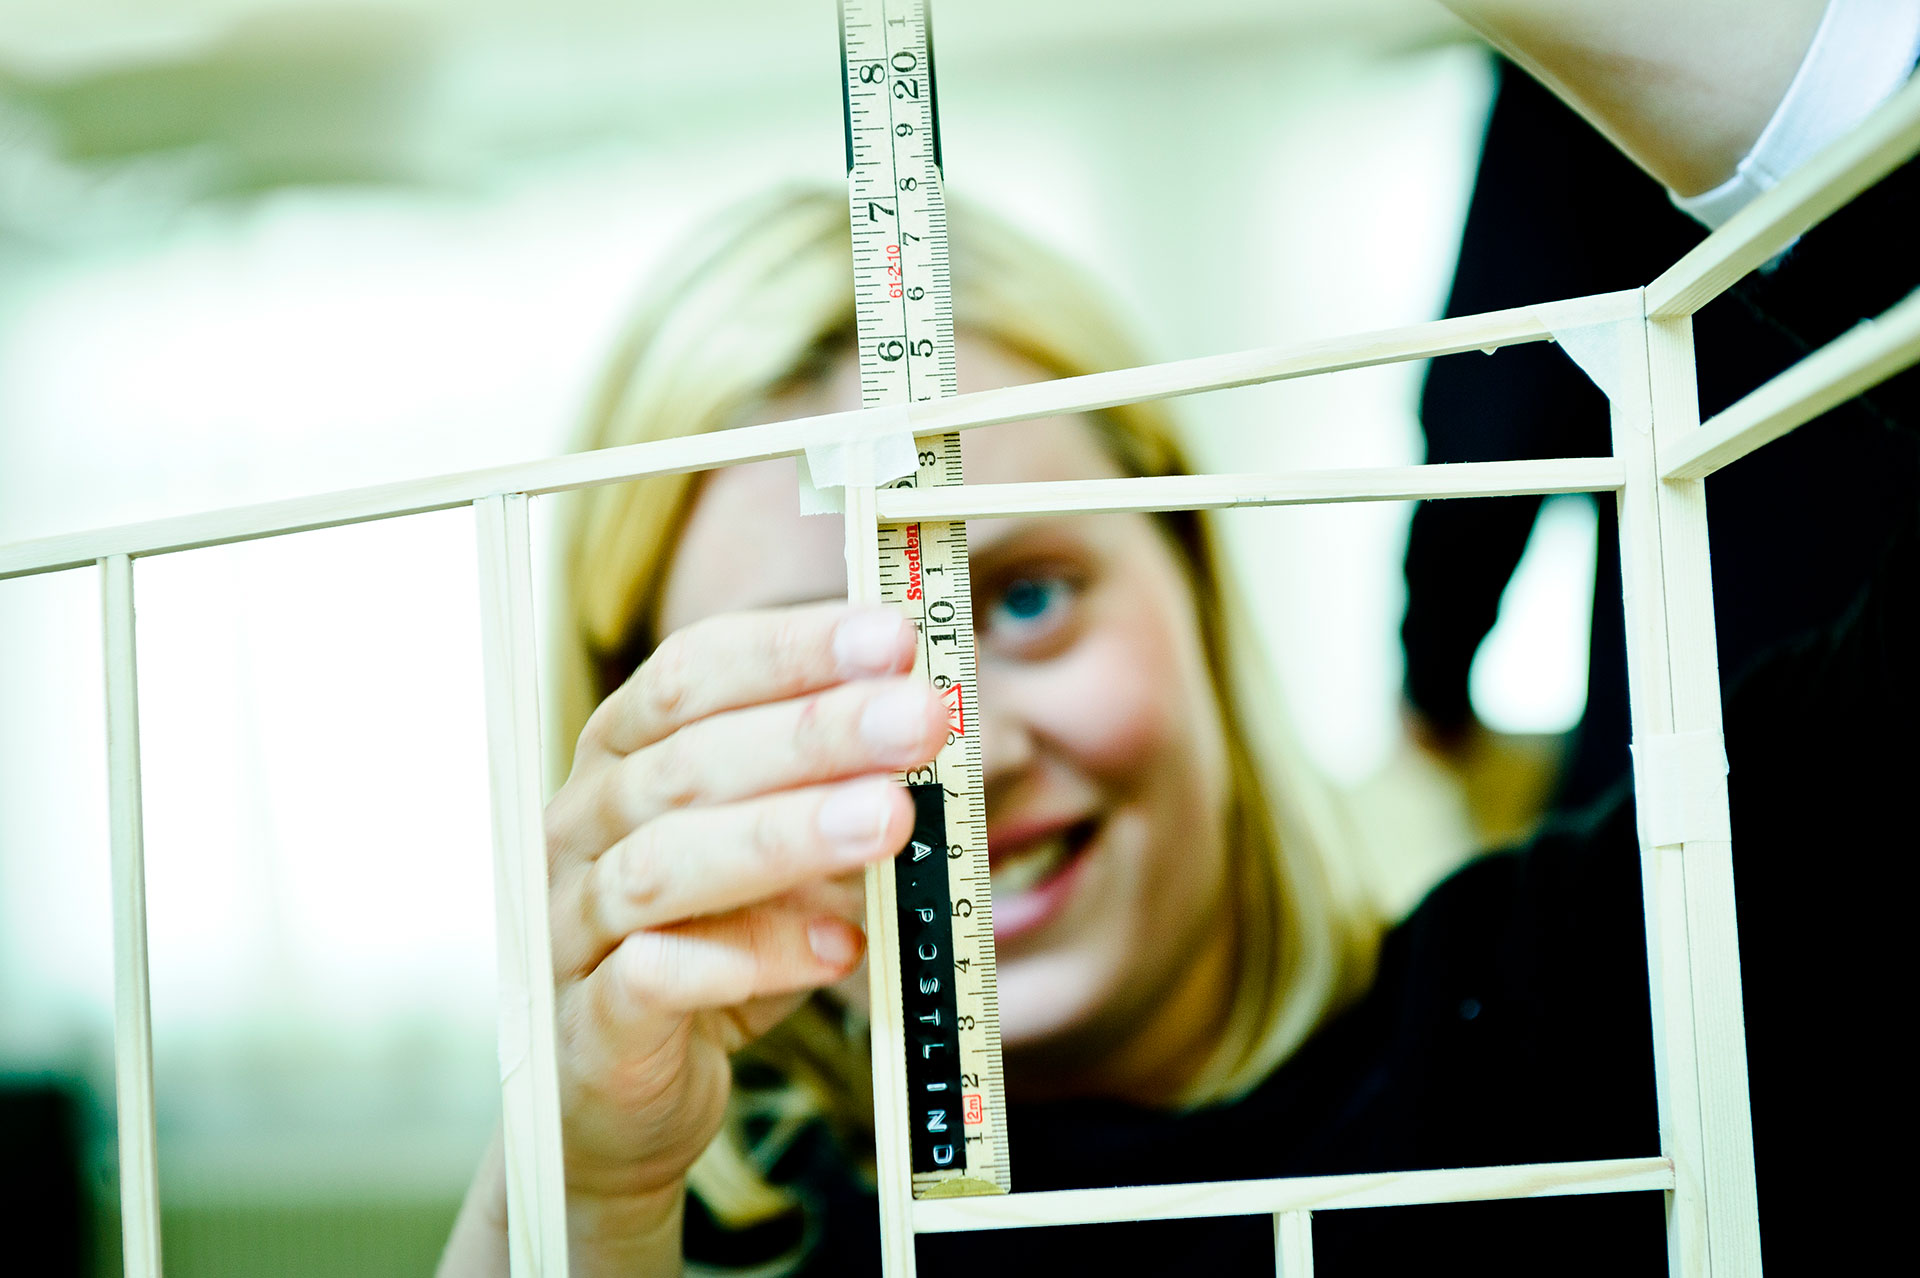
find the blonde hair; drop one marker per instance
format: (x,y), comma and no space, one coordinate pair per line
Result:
(762,306)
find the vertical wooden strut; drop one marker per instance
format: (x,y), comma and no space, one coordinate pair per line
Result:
(1713,948)
(132,1007)
(1662,879)
(888,1030)
(529,1062)
(1293,1244)
(1692,952)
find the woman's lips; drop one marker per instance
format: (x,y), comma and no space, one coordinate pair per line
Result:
(1036,866)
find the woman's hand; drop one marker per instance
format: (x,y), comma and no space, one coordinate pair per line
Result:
(698,857)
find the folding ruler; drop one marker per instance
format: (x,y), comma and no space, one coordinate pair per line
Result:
(933,941)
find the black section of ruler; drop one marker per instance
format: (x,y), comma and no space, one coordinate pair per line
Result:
(934,1104)
(846,92)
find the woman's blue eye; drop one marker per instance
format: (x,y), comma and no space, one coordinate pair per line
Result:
(1026,599)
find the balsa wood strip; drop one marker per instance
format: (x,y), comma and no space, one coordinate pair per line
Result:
(1662,869)
(785,439)
(1847,167)
(132,1006)
(1719,1026)
(1846,366)
(1290,1194)
(1293,1244)
(529,1071)
(1214,492)
(893,1166)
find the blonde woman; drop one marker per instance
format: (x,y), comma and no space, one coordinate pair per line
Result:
(1188,991)
(1168,918)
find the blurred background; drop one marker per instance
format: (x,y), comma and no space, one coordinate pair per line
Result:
(252,249)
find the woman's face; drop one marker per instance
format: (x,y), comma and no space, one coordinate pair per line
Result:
(1106,769)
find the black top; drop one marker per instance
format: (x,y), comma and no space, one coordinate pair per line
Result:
(1509,1018)
(1558,212)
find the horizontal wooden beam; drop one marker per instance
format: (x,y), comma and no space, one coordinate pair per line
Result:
(785,439)
(1299,1193)
(1849,166)
(1858,361)
(1289,488)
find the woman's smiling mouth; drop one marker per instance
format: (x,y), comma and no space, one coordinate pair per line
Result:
(1033,877)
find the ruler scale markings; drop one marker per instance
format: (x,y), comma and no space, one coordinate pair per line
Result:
(904,313)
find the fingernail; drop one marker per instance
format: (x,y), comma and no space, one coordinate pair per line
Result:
(868,642)
(896,720)
(832,942)
(854,817)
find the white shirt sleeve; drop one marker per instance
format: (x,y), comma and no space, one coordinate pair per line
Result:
(1862,52)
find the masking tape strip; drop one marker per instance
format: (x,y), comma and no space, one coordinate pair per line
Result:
(882,451)
(1680,788)
(1598,349)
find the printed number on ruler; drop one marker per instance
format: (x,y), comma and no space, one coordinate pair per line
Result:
(904,306)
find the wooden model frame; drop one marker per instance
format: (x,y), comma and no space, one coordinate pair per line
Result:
(1662,453)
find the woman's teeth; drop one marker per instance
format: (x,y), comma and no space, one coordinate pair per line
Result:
(1028,867)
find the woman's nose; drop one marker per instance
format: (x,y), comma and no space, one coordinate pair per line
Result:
(1006,739)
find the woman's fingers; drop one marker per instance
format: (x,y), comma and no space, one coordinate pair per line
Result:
(861,728)
(703,861)
(640,996)
(742,659)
